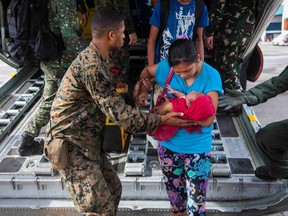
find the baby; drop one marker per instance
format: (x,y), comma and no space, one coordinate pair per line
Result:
(167,106)
(195,106)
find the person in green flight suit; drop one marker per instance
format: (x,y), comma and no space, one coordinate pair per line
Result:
(271,139)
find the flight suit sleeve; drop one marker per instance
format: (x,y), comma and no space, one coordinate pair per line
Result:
(53,19)
(271,88)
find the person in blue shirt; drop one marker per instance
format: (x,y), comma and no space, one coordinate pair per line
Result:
(184,158)
(181,20)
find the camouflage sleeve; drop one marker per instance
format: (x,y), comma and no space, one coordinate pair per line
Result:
(216,12)
(123,7)
(70,29)
(113,105)
(53,20)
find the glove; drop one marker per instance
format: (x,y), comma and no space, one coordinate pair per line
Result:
(234,99)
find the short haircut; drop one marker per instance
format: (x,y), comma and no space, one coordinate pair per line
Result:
(182,51)
(105,20)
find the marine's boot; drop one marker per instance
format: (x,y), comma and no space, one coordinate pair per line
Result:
(30,146)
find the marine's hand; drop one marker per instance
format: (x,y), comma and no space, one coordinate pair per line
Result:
(172,118)
(231,100)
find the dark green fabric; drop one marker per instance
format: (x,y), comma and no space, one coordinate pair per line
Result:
(273,143)
(273,138)
(272,87)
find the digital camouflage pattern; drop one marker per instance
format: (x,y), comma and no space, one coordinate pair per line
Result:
(231,24)
(84,99)
(94,186)
(63,22)
(120,59)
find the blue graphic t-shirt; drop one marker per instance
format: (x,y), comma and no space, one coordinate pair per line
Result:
(181,20)
(208,80)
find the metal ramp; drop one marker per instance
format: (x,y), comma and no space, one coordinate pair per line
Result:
(219,162)
(32,180)
(137,156)
(32,91)
(138,148)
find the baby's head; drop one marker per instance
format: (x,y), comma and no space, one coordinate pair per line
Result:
(192,96)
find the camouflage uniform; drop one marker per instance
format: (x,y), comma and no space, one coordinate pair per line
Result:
(63,22)
(120,59)
(231,25)
(84,99)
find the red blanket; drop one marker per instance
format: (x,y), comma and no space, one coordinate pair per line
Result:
(199,110)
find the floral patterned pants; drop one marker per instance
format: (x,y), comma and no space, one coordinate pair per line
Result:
(186,179)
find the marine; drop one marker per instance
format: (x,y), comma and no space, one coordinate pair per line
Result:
(84,99)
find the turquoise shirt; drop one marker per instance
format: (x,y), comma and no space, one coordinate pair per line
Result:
(208,80)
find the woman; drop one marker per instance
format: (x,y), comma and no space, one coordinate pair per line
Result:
(184,158)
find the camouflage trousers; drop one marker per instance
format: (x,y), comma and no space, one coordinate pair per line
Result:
(94,186)
(53,73)
(231,37)
(225,57)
